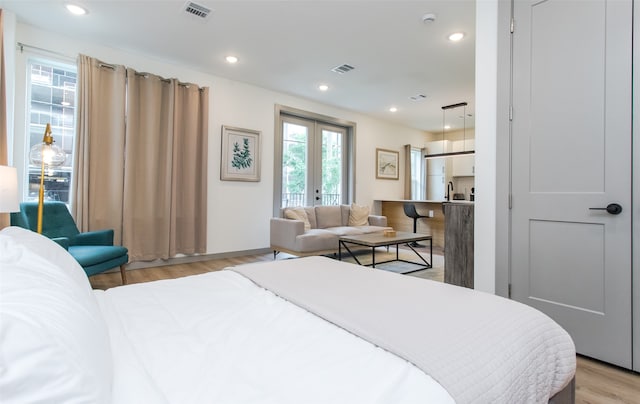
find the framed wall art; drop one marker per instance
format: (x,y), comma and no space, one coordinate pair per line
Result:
(387,164)
(240,160)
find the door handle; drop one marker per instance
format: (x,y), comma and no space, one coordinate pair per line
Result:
(317,198)
(612,208)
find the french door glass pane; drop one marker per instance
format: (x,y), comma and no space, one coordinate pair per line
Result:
(331,167)
(294,164)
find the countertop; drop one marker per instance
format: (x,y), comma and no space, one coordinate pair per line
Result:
(424,201)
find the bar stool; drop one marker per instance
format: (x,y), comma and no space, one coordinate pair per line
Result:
(410,211)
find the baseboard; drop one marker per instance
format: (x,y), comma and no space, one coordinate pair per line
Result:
(187,259)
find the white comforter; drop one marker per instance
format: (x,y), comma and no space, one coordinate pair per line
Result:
(219,338)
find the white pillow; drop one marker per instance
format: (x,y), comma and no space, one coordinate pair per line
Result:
(298,214)
(54,343)
(358,215)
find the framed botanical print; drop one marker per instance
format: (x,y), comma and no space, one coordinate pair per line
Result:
(240,160)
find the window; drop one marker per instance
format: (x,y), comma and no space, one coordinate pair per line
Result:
(418,180)
(51,95)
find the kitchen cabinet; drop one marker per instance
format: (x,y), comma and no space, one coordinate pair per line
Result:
(437,170)
(463,166)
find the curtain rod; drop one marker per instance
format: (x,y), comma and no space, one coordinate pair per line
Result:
(21,46)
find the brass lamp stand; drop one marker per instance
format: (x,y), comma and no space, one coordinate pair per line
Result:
(51,155)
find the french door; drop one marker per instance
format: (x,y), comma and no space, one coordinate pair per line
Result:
(314,163)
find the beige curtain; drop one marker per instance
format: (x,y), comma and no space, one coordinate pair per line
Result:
(189,188)
(98,160)
(4,152)
(148,167)
(407,171)
(157,166)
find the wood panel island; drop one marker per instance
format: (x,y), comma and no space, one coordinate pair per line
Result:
(455,229)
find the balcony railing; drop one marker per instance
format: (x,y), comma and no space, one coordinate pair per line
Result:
(299,199)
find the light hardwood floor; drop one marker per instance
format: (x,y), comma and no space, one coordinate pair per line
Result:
(596,382)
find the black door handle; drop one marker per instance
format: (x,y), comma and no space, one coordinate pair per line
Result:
(317,198)
(612,208)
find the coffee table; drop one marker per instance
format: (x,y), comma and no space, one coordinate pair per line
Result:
(374,240)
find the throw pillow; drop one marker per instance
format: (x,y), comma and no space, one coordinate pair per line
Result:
(298,214)
(358,215)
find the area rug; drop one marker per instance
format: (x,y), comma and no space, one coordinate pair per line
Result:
(435,273)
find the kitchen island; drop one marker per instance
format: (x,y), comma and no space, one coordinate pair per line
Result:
(394,211)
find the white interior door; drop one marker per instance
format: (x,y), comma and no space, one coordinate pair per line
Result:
(571,152)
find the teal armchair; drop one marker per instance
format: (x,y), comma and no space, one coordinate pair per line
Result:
(93,250)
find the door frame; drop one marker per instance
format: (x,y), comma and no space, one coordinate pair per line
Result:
(349,150)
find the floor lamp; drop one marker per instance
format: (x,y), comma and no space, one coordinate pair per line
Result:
(45,153)
(8,190)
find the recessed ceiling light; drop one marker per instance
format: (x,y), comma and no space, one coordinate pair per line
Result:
(231,59)
(76,10)
(428,18)
(323,87)
(456,36)
(393,109)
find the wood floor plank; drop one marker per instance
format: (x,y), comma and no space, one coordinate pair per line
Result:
(596,382)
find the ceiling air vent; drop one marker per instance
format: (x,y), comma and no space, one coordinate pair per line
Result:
(196,10)
(418,97)
(342,69)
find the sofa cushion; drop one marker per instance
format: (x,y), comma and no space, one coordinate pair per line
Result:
(345,231)
(328,216)
(358,215)
(55,342)
(316,240)
(298,214)
(311,215)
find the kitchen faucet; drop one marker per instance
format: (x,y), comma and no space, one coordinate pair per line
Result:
(449,186)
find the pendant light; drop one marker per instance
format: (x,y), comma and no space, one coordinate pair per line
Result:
(464,134)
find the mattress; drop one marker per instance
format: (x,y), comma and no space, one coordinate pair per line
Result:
(220,338)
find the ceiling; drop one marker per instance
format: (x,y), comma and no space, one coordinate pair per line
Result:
(291,46)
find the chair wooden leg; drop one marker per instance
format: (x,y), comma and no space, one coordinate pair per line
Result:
(123,274)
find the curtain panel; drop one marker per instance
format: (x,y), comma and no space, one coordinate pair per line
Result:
(408,184)
(161,169)
(99,152)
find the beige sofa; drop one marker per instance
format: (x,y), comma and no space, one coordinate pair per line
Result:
(314,230)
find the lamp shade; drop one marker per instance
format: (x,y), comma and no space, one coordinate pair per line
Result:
(9,189)
(50,154)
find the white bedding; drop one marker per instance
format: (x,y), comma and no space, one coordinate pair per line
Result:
(219,338)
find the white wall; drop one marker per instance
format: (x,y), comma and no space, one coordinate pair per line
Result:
(235,221)
(485,143)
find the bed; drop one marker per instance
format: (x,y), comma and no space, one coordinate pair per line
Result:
(306,330)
